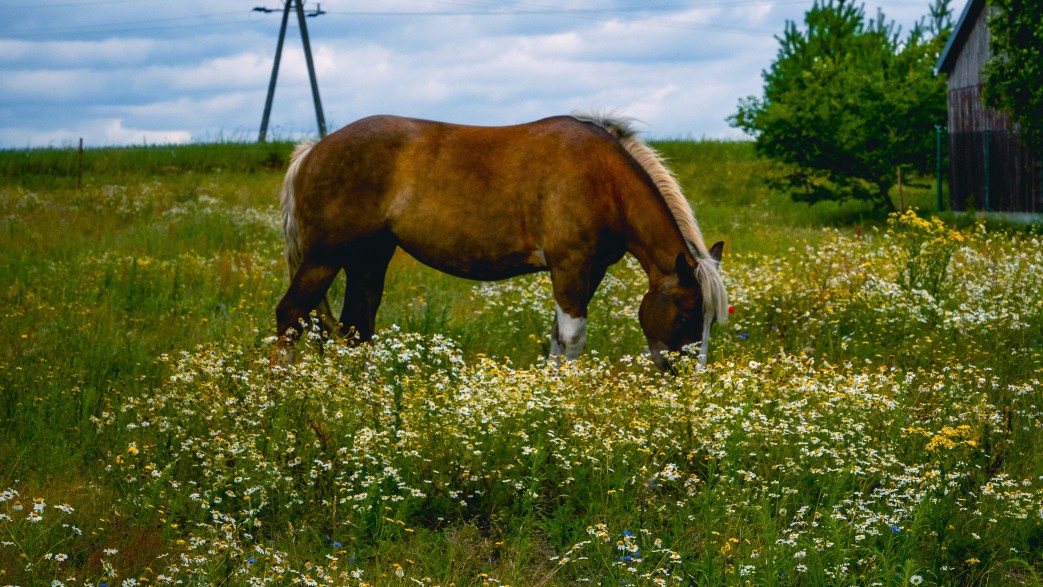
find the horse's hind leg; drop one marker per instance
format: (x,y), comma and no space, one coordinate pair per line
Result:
(307,288)
(364,289)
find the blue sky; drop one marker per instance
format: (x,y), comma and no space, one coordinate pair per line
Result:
(118,72)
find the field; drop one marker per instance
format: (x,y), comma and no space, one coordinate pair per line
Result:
(870,415)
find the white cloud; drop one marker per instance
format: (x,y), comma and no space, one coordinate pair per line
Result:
(134,70)
(117,134)
(97,132)
(231,72)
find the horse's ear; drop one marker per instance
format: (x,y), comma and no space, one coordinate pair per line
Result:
(717,250)
(685,272)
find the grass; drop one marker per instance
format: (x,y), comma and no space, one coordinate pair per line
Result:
(869,415)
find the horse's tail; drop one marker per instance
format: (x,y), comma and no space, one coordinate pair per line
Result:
(291,230)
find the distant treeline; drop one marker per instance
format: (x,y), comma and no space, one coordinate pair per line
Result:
(35,166)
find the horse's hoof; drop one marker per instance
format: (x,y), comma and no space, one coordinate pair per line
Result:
(282,358)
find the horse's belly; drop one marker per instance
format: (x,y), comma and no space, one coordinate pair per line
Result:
(478,238)
(475,263)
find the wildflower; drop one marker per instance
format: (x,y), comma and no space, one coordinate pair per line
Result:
(915,580)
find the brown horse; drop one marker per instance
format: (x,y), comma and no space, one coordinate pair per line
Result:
(568,194)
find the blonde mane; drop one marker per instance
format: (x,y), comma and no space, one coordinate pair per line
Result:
(715,296)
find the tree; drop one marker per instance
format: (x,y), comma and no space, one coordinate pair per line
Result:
(847,102)
(1014,73)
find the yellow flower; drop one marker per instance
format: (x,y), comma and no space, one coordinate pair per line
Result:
(939,442)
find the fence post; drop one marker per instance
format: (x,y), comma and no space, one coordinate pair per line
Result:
(938,156)
(79,167)
(988,171)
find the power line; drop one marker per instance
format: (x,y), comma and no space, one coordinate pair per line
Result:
(133,26)
(654,15)
(473,9)
(45,5)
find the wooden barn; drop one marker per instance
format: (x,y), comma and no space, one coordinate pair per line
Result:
(989,169)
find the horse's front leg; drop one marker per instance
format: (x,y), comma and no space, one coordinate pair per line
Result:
(573,291)
(568,336)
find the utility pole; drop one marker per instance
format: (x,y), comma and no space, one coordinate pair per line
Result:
(299,8)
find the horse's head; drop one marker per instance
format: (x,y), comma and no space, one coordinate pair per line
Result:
(675,312)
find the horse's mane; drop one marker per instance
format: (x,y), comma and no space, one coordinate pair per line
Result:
(715,296)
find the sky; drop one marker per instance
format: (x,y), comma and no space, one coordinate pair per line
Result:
(125,72)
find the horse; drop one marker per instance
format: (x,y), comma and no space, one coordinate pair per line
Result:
(568,194)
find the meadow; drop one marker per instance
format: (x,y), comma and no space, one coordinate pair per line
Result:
(870,414)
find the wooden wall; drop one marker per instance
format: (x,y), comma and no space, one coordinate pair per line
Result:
(989,169)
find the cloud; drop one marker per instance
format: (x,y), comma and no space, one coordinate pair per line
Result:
(95,132)
(194,70)
(59,54)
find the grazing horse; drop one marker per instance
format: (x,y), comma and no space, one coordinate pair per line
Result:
(567,194)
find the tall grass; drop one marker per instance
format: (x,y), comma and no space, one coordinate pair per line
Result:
(64,167)
(868,417)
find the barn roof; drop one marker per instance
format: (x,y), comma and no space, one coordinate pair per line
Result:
(959,35)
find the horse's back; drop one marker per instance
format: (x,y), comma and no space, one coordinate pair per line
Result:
(476,201)
(341,185)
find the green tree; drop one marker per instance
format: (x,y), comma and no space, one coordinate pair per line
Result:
(1014,74)
(847,102)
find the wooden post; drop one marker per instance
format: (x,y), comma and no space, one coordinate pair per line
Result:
(938,156)
(298,6)
(901,197)
(988,169)
(275,73)
(319,118)
(79,168)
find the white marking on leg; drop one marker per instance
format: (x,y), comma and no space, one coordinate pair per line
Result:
(571,337)
(556,350)
(541,257)
(283,357)
(704,346)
